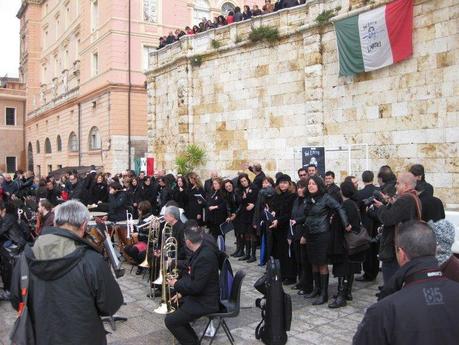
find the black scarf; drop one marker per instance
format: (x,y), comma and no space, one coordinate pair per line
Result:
(396,282)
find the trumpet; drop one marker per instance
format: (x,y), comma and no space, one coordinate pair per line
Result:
(169,251)
(153,236)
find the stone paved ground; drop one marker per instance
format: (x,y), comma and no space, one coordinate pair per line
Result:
(310,324)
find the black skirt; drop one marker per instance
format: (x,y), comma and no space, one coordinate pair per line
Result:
(317,247)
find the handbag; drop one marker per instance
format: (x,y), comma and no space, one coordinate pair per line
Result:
(357,242)
(23,332)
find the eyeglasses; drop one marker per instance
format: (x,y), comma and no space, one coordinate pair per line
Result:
(302,175)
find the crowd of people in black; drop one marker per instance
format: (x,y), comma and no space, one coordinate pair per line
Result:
(237,15)
(305,224)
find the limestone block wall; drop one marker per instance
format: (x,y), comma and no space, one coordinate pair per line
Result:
(263,102)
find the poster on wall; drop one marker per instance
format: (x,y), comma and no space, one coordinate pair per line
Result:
(315,156)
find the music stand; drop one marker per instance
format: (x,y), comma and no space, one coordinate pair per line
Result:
(115,263)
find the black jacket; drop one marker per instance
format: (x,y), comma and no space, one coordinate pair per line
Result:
(178,231)
(299,217)
(117,206)
(423,312)
(249,196)
(335,192)
(425,188)
(71,286)
(11,230)
(78,192)
(218,215)
(258,180)
(369,222)
(200,288)
(402,210)
(317,212)
(99,192)
(281,204)
(180,196)
(52,196)
(193,207)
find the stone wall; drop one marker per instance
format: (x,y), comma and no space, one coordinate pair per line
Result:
(263,102)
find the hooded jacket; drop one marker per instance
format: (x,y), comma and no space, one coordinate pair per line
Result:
(70,287)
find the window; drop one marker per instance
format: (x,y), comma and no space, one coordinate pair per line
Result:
(59,143)
(47,146)
(94,139)
(30,156)
(50,168)
(38,170)
(226,7)
(150,11)
(146,53)
(73,142)
(94,15)
(201,10)
(95,64)
(10,116)
(38,147)
(10,164)
(59,166)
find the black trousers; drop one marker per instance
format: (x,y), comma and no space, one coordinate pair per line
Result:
(371,263)
(280,250)
(303,267)
(6,267)
(178,323)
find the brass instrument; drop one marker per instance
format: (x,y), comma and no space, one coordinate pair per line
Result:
(169,251)
(166,233)
(154,226)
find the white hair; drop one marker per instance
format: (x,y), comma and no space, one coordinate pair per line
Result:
(71,212)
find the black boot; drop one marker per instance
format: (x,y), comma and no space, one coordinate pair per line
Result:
(323,298)
(253,256)
(340,299)
(348,284)
(316,289)
(239,248)
(247,252)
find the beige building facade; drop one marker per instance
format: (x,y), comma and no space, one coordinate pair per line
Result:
(83,64)
(246,101)
(12,115)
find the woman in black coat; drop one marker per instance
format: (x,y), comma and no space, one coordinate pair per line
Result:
(165,193)
(180,192)
(196,196)
(319,206)
(303,266)
(281,206)
(117,203)
(232,206)
(346,266)
(216,209)
(149,193)
(99,190)
(247,198)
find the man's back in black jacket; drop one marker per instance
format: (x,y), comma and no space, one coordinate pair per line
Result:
(70,287)
(200,288)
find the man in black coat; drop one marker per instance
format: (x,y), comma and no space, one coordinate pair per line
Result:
(332,187)
(199,289)
(172,217)
(117,203)
(77,191)
(419,305)
(208,183)
(371,263)
(407,206)
(71,286)
(259,175)
(421,185)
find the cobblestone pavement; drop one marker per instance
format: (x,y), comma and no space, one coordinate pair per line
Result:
(310,324)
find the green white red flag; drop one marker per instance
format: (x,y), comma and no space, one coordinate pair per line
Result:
(376,38)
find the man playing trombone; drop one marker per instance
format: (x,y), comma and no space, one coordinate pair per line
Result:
(198,288)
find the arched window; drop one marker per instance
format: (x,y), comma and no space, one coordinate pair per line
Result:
(38,147)
(201,10)
(59,143)
(226,7)
(30,156)
(73,142)
(95,143)
(47,146)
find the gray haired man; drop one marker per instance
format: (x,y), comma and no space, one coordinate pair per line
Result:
(69,282)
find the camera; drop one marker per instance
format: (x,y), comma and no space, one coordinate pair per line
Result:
(377,195)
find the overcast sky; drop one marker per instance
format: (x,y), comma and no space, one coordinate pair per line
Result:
(9,37)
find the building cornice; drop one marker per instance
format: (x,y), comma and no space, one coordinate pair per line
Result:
(24,5)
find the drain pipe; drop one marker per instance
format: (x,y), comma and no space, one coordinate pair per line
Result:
(129,86)
(79,134)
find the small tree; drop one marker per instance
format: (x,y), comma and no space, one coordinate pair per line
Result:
(190,159)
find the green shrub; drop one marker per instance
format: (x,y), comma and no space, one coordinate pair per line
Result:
(215,44)
(264,33)
(324,17)
(193,157)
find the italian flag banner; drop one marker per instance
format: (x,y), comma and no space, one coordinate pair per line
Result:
(375,39)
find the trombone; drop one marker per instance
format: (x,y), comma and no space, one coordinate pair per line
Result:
(154,227)
(169,251)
